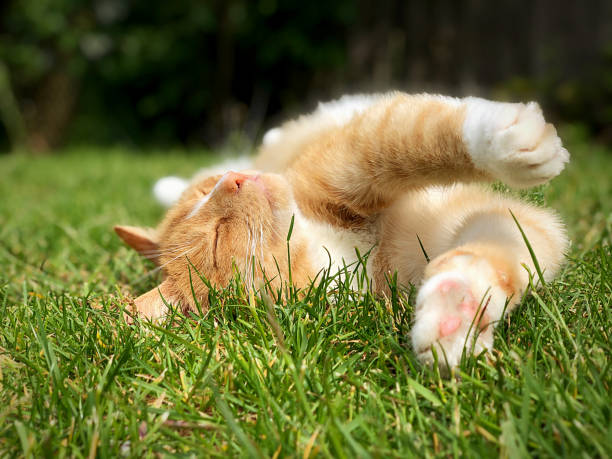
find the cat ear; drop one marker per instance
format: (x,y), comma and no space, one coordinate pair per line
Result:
(143,240)
(151,305)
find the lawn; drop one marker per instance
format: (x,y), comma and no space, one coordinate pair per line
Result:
(326,373)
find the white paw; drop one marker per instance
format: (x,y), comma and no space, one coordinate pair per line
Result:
(513,142)
(448,317)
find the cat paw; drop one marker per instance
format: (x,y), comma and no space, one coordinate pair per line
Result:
(513,142)
(449,318)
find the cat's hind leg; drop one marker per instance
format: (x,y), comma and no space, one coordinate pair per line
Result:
(468,288)
(480,264)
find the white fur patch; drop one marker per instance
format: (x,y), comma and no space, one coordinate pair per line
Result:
(333,247)
(272,136)
(168,190)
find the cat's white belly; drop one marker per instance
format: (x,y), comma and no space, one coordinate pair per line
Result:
(334,248)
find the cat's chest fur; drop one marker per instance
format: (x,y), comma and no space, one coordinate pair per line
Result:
(334,247)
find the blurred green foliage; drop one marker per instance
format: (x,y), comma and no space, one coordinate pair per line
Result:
(151,73)
(585,99)
(191,71)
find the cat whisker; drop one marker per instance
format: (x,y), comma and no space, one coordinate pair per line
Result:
(174,246)
(165,252)
(180,244)
(157,269)
(168,251)
(159,255)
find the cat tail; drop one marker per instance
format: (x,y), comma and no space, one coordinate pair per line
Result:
(167,190)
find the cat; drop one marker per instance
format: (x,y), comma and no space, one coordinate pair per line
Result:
(388,173)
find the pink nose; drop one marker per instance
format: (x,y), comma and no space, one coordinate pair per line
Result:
(233,181)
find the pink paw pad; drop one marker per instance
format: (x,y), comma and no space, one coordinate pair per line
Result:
(449,325)
(469,305)
(448,285)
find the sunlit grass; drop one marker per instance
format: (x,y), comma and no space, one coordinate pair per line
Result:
(328,373)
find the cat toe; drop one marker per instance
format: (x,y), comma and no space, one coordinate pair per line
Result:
(513,142)
(530,152)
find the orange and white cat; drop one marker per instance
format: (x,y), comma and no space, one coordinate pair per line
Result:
(375,172)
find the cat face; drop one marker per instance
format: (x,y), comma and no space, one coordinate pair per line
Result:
(224,221)
(221,224)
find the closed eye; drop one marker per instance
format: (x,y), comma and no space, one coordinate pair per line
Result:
(216,241)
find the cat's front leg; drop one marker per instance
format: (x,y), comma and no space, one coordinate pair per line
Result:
(512,142)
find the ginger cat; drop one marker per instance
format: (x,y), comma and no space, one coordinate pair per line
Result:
(376,171)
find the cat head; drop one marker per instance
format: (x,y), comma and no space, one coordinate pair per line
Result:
(220,225)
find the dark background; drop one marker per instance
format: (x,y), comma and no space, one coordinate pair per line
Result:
(189,73)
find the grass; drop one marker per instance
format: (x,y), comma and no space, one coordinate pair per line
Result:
(320,375)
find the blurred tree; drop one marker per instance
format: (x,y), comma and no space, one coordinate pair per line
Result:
(40,41)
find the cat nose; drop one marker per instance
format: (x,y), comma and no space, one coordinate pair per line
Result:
(233,181)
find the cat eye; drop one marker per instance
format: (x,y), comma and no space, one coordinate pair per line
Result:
(216,243)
